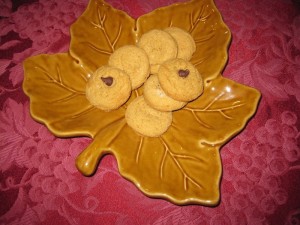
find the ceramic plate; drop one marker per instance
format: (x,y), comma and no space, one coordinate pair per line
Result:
(183,165)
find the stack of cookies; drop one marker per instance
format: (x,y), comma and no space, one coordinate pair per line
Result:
(160,62)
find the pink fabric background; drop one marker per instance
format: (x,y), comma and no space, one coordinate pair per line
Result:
(261,166)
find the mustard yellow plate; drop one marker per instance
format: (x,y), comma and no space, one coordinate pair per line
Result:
(183,165)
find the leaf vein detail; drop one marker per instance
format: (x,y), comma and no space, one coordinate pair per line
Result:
(175,157)
(59,81)
(199,18)
(139,150)
(218,110)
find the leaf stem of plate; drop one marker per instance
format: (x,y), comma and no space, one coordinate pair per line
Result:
(87,161)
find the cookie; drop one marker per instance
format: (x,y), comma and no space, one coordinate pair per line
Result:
(159,46)
(180,80)
(156,97)
(185,42)
(108,88)
(145,120)
(134,61)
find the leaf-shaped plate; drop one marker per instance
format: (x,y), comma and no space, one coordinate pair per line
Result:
(183,165)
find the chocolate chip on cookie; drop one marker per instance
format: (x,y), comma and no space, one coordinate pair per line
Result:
(180,80)
(108,92)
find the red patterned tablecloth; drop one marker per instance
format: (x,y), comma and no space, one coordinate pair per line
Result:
(39,183)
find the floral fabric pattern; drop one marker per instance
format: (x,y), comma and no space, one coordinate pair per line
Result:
(39,183)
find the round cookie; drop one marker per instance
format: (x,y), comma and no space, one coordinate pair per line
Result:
(156,97)
(159,46)
(134,61)
(185,42)
(180,80)
(146,120)
(108,88)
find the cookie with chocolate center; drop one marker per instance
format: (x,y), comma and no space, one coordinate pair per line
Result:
(108,88)
(180,80)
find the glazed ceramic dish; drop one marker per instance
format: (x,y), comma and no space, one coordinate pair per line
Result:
(183,165)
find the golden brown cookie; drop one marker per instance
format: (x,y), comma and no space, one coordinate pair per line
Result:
(156,97)
(145,120)
(180,80)
(108,88)
(159,46)
(185,42)
(134,61)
